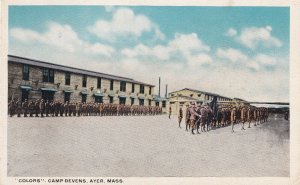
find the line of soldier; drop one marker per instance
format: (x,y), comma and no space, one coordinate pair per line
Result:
(58,108)
(202,116)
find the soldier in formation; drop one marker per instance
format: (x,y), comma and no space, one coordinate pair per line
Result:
(46,108)
(202,116)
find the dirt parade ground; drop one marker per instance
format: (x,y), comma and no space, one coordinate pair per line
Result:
(144,146)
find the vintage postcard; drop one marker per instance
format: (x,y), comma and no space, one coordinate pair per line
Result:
(149,93)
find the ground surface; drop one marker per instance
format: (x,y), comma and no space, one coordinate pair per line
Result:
(143,146)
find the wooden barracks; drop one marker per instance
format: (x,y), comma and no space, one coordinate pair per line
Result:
(33,79)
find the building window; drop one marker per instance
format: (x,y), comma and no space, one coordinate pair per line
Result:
(157,104)
(98,83)
(111,99)
(150,90)
(25,72)
(132,88)
(141,102)
(163,104)
(123,86)
(83,98)
(191,95)
(67,78)
(149,102)
(47,95)
(111,85)
(98,99)
(84,81)
(48,75)
(67,97)
(122,100)
(142,89)
(132,101)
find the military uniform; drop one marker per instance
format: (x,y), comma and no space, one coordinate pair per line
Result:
(25,107)
(180,115)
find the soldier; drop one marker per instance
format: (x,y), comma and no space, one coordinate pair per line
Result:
(233,118)
(11,107)
(42,107)
(19,107)
(66,108)
(243,116)
(51,108)
(187,118)
(37,108)
(25,107)
(209,117)
(47,108)
(193,117)
(219,117)
(31,108)
(198,122)
(249,116)
(204,114)
(61,109)
(180,116)
(170,111)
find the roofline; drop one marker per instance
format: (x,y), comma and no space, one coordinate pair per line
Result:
(201,92)
(84,70)
(196,90)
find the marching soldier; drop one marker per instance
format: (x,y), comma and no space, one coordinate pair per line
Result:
(187,118)
(179,116)
(243,116)
(193,117)
(249,116)
(233,118)
(170,111)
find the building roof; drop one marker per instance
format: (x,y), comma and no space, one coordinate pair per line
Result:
(239,99)
(38,63)
(198,91)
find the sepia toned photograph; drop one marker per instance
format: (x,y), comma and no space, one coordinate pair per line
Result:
(148,91)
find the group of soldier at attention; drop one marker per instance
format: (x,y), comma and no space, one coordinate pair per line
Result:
(45,108)
(202,116)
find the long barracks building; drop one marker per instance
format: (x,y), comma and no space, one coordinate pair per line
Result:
(33,79)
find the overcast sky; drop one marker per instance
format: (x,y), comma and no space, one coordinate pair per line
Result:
(234,51)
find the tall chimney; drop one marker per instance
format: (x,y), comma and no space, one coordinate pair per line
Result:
(159,87)
(166,95)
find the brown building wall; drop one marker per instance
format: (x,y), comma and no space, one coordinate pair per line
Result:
(36,82)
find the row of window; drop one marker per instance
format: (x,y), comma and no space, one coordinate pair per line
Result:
(48,76)
(47,95)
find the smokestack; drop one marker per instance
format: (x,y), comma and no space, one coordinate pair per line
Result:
(166,95)
(159,87)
